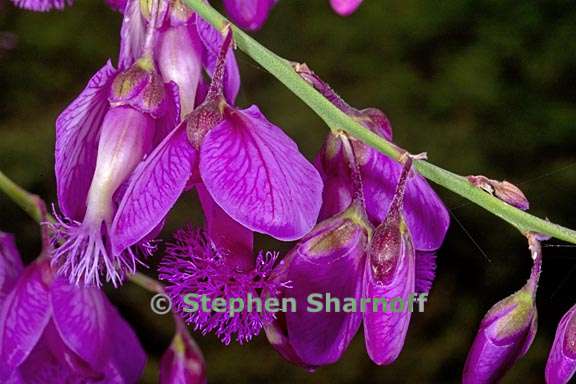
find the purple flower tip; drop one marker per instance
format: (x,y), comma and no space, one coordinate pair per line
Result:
(194,265)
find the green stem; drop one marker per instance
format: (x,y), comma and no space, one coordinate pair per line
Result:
(29,203)
(338,120)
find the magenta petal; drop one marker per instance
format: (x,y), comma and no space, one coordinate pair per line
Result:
(257,175)
(132,34)
(248,14)
(77,134)
(171,118)
(213,40)
(154,187)
(117,5)
(42,5)
(24,316)
(10,264)
(385,330)
(345,7)
(127,356)
(229,236)
(81,319)
(425,271)
(561,365)
(426,215)
(327,261)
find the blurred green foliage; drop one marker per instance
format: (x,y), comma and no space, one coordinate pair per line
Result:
(484,86)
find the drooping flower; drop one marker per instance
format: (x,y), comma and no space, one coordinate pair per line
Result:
(345,7)
(390,273)
(218,263)
(182,363)
(249,14)
(426,216)
(114,124)
(52,332)
(561,365)
(250,168)
(506,331)
(329,260)
(100,139)
(344,257)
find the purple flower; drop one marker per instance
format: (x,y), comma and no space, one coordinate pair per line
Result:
(506,331)
(561,364)
(332,260)
(390,273)
(249,14)
(345,7)
(182,363)
(250,168)
(53,332)
(100,138)
(329,260)
(425,214)
(217,263)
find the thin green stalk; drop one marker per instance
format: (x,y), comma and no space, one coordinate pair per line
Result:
(336,119)
(29,203)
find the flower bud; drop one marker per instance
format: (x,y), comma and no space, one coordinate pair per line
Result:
(505,191)
(561,364)
(505,335)
(183,361)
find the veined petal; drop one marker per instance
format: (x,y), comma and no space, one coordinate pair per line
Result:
(24,316)
(80,316)
(257,175)
(42,5)
(386,325)
(77,133)
(327,263)
(10,264)
(154,187)
(249,14)
(425,271)
(426,215)
(212,40)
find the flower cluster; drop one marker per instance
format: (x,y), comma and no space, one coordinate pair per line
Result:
(163,122)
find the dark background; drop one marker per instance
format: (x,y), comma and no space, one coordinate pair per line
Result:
(485,87)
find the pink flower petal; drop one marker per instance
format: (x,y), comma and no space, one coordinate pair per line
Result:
(24,316)
(10,264)
(77,134)
(154,187)
(257,175)
(81,319)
